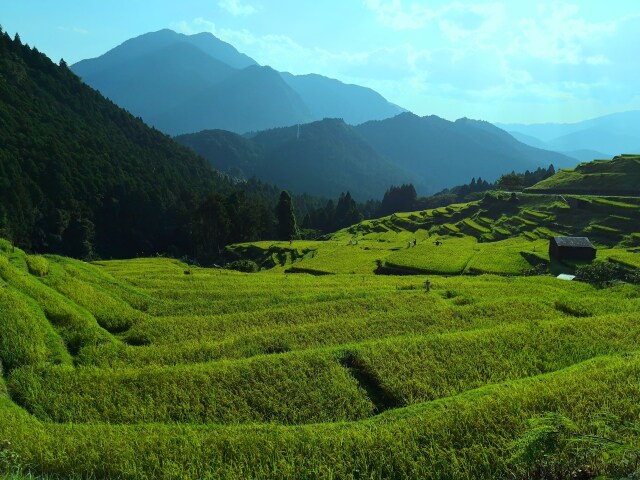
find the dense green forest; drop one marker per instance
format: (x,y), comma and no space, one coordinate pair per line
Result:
(78,173)
(82,177)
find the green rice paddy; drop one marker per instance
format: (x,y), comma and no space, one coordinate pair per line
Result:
(316,366)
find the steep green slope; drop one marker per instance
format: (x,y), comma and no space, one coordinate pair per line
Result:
(77,171)
(619,176)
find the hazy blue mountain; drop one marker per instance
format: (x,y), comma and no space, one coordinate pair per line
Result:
(598,138)
(587,155)
(329,98)
(160,80)
(321,158)
(440,153)
(583,155)
(216,48)
(252,99)
(151,42)
(181,83)
(528,139)
(615,133)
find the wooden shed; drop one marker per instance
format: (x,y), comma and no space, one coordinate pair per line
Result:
(572,248)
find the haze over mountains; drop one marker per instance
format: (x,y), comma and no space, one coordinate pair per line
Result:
(185,83)
(601,137)
(197,83)
(329,157)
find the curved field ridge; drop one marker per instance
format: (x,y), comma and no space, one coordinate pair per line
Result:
(184,372)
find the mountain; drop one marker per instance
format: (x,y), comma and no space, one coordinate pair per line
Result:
(329,98)
(619,176)
(148,43)
(328,157)
(615,133)
(255,98)
(78,173)
(321,158)
(440,153)
(176,72)
(186,83)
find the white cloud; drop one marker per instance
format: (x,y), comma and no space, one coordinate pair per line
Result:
(285,54)
(237,8)
(393,14)
(470,54)
(81,31)
(456,19)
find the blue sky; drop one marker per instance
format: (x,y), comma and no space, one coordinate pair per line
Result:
(502,61)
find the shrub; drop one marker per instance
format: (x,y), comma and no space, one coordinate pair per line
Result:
(601,274)
(554,447)
(248,266)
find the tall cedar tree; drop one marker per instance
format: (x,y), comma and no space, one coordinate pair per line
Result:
(398,199)
(287,228)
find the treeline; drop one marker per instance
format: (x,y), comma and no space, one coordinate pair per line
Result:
(404,198)
(519,181)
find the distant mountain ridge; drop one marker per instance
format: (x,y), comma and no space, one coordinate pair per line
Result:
(441,153)
(322,158)
(328,157)
(602,136)
(186,83)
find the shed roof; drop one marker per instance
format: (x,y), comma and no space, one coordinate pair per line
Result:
(565,276)
(579,242)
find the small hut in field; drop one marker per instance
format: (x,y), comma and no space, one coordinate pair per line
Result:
(572,248)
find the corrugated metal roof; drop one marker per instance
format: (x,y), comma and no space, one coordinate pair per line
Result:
(581,242)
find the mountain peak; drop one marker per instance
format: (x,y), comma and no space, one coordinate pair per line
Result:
(183,83)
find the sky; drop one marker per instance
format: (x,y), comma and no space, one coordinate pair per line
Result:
(516,61)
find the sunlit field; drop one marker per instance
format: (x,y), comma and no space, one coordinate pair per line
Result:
(184,372)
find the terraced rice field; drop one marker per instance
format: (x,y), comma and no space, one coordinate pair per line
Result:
(493,235)
(151,368)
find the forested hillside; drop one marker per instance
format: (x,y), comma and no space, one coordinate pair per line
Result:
(322,158)
(82,177)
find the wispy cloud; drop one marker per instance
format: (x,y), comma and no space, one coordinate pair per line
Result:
(78,30)
(237,8)
(455,18)
(485,56)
